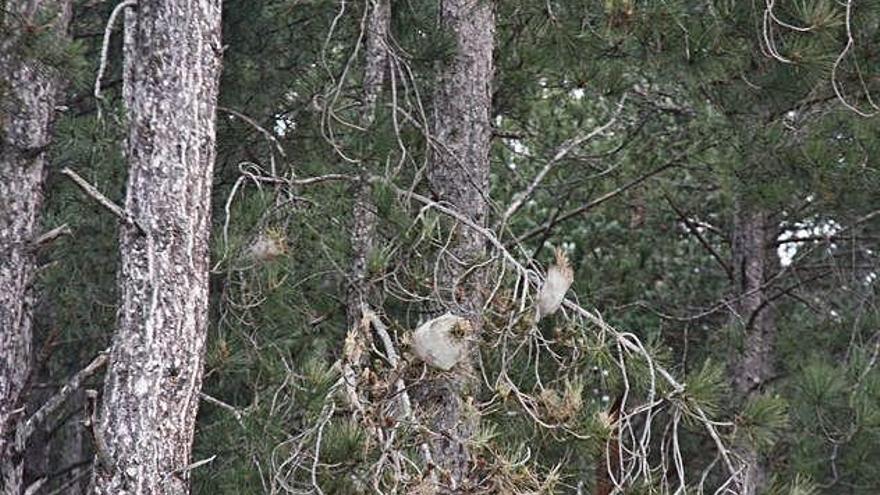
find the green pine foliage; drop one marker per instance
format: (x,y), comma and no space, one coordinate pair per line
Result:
(708,120)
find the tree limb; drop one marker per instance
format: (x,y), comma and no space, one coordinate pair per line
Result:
(51,235)
(596,202)
(561,152)
(696,233)
(104,201)
(59,398)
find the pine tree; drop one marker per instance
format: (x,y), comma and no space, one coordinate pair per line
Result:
(152,388)
(363,237)
(459,176)
(29,91)
(691,165)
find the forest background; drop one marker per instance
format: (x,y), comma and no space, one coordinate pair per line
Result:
(708,169)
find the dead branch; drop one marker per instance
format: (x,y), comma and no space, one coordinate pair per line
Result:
(51,235)
(253,123)
(105,47)
(561,152)
(51,405)
(104,201)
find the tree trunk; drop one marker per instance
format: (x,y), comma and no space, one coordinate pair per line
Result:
(363,213)
(71,449)
(376,63)
(151,393)
(459,176)
(28,93)
(752,363)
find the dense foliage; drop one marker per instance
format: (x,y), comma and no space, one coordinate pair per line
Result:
(703,107)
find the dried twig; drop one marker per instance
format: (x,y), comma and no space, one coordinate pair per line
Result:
(95,194)
(186,469)
(51,235)
(51,405)
(561,152)
(105,47)
(223,405)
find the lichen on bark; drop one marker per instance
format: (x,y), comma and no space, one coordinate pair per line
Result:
(151,393)
(28,92)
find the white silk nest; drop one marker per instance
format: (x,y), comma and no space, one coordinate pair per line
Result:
(267,247)
(559,278)
(441,342)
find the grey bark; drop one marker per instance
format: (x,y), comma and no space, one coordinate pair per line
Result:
(147,416)
(363,213)
(59,451)
(73,448)
(28,93)
(459,176)
(376,63)
(752,364)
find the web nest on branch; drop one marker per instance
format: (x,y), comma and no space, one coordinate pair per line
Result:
(566,377)
(565,402)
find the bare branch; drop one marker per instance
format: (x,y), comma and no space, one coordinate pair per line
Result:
(34,487)
(219,403)
(269,136)
(561,152)
(596,202)
(835,83)
(324,178)
(53,234)
(92,191)
(186,469)
(58,399)
(105,47)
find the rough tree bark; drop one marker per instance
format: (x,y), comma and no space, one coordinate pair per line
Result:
(459,176)
(376,63)
(172,64)
(363,212)
(752,364)
(28,93)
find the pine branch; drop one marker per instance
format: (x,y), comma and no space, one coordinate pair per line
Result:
(696,233)
(104,201)
(549,225)
(58,399)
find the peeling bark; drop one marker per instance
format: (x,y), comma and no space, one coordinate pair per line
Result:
(752,364)
(151,393)
(28,93)
(459,176)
